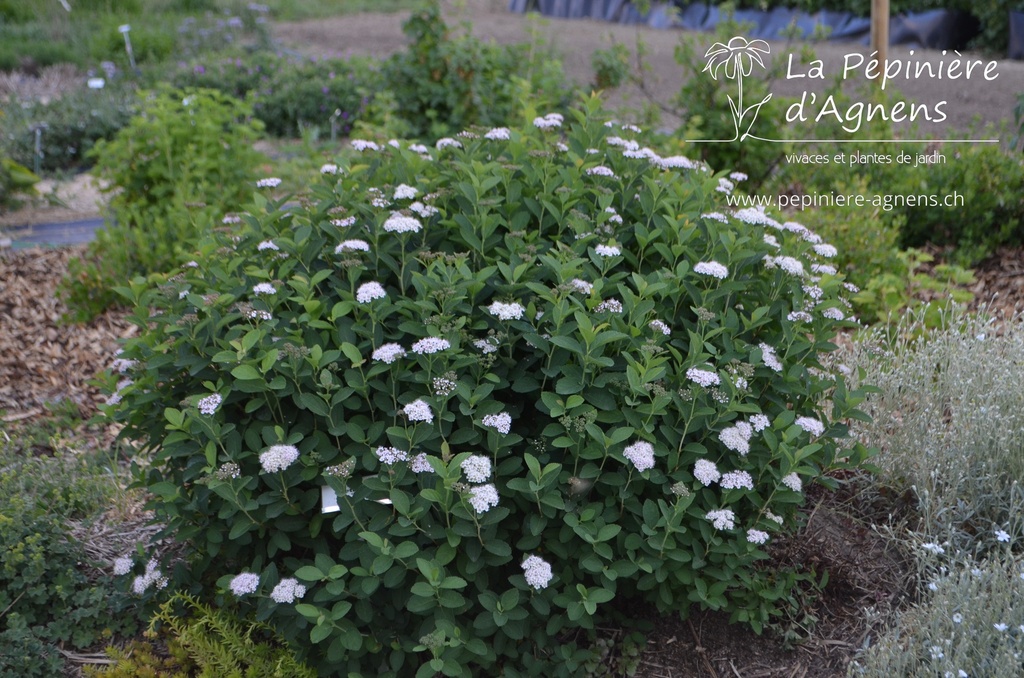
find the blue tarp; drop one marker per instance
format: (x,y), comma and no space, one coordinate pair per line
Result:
(934,29)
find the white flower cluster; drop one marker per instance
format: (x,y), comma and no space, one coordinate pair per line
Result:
(444,386)
(352,246)
(711,268)
(267,245)
(388,353)
(343,223)
(537,571)
(483,497)
(737,437)
(244,583)
(581,286)
(760,422)
(824,269)
(735,480)
(209,404)
(419,464)
(793,482)
(826,250)
(429,345)
(419,148)
(799,317)
(486,345)
(502,422)
(122,365)
(768,356)
(725,186)
(548,121)
(123,565)
(607,251)
(152,577)
(722,519)
(391,455)
(641,454)
(601,171)
(503,311)
(477,468)
(288,590)
(425,211)
(364,145)
(754,217)
(370,291)
(705,378)
(609,306)
(264,288)
(278,458)
(231,219)
(811,425)
(418,410)
(329,168)
(447,142)
(405,192)
(660,326)
(259,314)
(788,264)
(269,182)
(757,536)
(676,162)
(614,218)
(498,134)
(399,223)
(706,472)
(833,313)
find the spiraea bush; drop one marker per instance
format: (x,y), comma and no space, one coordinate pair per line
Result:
(462,400)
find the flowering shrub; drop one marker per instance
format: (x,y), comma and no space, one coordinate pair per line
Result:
(467,397)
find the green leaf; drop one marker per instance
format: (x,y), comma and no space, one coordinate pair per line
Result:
(246,373)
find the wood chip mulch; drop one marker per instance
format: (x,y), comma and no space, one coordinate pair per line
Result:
(999,282)
(42,359)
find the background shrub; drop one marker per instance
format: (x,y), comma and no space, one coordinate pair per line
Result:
(73,124)
(50,590)
(442,83)
(186,159)
(290,94)
(491,353)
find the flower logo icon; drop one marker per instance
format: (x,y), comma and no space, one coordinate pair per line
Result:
(735,61)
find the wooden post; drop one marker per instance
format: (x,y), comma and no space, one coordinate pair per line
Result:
(880,32)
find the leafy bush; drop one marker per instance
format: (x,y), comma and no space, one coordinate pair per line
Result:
(15,180)
(537,375)
(17,55)
(151,42)
(290,94)
(444,83)
(704,103)
(184,160)
(611,66)
(49,594)
(71,124)
(990,181)
(982,181)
